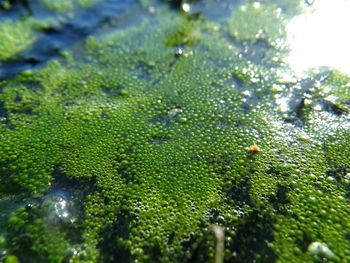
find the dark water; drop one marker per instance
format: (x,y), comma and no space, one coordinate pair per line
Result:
(69,30)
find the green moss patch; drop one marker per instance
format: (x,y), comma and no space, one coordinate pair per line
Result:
(131,150)
(15,37)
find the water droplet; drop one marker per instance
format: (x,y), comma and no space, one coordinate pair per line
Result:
(178,52)
(320,249)
(174,112)
(186,7)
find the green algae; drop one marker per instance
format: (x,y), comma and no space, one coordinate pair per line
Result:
(257,21)
(186,34)
(15,37)
(67,5)
(153,144)
(59,6)
(47,243)
(289,8)
(337,92)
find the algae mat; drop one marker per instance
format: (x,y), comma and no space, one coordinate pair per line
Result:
(168,131)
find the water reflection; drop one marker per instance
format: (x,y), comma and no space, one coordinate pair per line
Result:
(58,208)
(320,37)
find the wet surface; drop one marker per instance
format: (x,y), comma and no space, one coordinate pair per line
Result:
(67,31)
(127,128)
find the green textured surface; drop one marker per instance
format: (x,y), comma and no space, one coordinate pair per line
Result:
(15,37)
(129,151)
(63,6)
(265,22)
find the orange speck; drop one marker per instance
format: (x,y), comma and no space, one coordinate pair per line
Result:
(253,148)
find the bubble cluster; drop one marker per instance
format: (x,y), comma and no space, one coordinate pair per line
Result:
(154,146)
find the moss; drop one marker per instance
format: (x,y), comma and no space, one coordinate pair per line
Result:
(336,90)
(87,3)
(59,6)
(289,8)
(186,34)
(265,23)
(63,6)
(15,36)
(32,238)
(156,141)
(11,259)
(5,4)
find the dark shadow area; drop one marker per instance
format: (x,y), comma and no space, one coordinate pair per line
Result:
(112,247)
(280,199)
(202,250)
(15,7)
(252,238)
(240,192)
(338,172)
(304,242)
